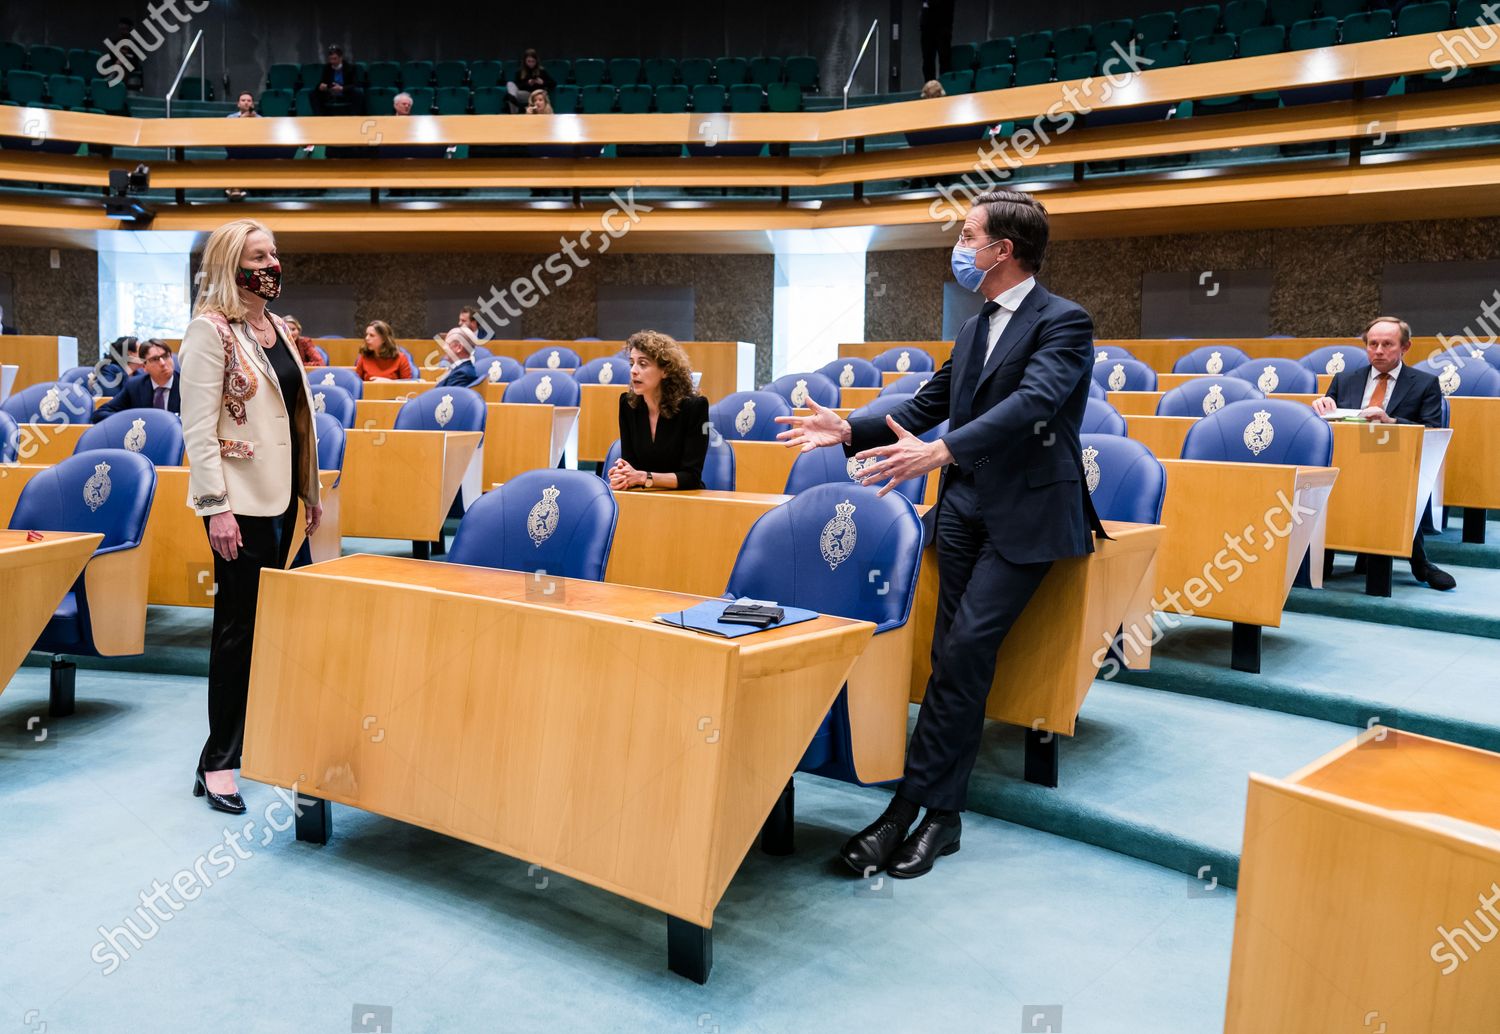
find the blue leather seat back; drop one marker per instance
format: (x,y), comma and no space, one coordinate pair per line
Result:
(909,384)
(1124,374)
(559,357)
(61,402)
(335,401)
(106,491)
(1096,392)
(416,370)
(544,387)
(10,434)
(339,376)
(831,467)
(1262,431)
(837,549)
(611,455)
(510,371)
(154,433)
(442,409)
(1204,395)
(85,375)
(903,360)
(884,403)
(1460,373)
(330,434)
(1125,482)
(1099,417)
(592,372)
(1277,376)
(852,372)
(796,388)
(1110,354)
(749,416)
(560,522)
(1211,359)
(1335,358)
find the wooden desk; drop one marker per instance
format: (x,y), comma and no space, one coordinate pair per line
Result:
(38,358)
(648,778)
(376,414)
(1357,894)
(399,391)
(761,466)
(1134,403)
(853,398)
(1206,503)
(401,484)
(46,444)
(1163,435)
(1057,646)
(34,577)
(522,436)
(598,419)
(1471,476)
(1386,474)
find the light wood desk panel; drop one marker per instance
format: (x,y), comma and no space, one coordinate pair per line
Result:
(1163,435)
(522,436)
(635,757)
(38,358)
(1356,894)
(598,419)
(1376,504)
(1134,403)
(399,391)
(34,577)
(47,444)
(400,484)
(762,466)
(1472,472)
(854,398)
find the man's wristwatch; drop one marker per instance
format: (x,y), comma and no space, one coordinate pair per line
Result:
(648,479)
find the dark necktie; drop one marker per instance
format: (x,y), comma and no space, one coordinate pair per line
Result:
(963,391)
(159,400)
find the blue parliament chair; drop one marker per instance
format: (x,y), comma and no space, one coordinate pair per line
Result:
(1096,392)
(322,353)
(10,438)
(1334,358)
(1214,359)
(541,387)
(609,369)
(837,549)
(499,369)
(1271,376)
(718,462)
(910,384)
(852,372)
(903,360)
(1125,482)
(832,467)
(558,523)
(797,388)
(1110,354)
(154,433)
(51,403)
(749,416)
(561,358)
(884,403)
(330,435)
(1471,376)
(106,492)
(442,409)
(338,376)
(1122,373)
(416,371)
(335,401)
(90,378)
(1204,395)
(1099,417)
(1262,431)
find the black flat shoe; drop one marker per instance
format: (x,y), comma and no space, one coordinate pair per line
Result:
(1436,577)
(867,851)
(933,838)
(232,803)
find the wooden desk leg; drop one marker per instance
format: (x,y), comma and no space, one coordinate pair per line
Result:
(1244,648)
(1474,524)
(1041,757)
(1377,575)
(314,819)
(1328,555)
(60,691)
(690,949)
(776,835)
(421,550)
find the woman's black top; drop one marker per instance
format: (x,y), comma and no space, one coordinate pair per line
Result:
(680,444)
(290,376)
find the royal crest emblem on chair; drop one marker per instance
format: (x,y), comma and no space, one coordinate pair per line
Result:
(744,420)
(50,404)
(1259,433)
(1215,363)
(544,387)
(1117,377)
(541,522)
(96,488)
(320,404)
(328,378)
(1335,363)
(1091,467)
(495,373)
(799,395)
(606,374)
(135,438)
(1268,380)
(1214,400)
(1449,380)
(855,466)
(554,360)
(836,543)
(444,411)
(903,362)
(846,376)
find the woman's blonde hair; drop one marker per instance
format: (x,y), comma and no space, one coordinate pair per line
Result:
(676,368)
(291,321)
(545,107)
(387,341)
(217,291)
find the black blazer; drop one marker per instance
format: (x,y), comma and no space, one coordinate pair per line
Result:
(680,445)
(1021,441)
(138,393)
(1415,398)
(459,375)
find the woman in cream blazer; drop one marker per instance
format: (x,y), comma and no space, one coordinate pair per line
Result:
(253,456)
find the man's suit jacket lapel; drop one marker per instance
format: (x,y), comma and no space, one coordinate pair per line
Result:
(1397,392)
(1014,332)
(968,348)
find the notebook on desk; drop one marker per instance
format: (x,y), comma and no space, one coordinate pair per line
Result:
(704,618)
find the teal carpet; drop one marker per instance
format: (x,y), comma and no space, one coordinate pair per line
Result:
(1467,610)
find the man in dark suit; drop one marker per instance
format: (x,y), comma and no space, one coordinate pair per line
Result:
(1389,392)
(337,91)
(157,388)
(459,344)
(1012,500)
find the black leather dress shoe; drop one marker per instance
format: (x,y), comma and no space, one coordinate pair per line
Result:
(1436,577)
(867,851)
(232,803)
(933,838)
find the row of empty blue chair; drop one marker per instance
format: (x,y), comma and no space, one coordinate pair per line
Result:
(1459,372)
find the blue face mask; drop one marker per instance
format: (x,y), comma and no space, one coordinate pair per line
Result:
(969,276)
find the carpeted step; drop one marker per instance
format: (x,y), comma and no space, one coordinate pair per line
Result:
(1450,548)
(1466,610)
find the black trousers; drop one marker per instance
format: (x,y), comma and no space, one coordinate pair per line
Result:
(267,540)
(936,25)
(980,596)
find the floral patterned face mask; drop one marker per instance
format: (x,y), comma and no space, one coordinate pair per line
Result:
(265,282)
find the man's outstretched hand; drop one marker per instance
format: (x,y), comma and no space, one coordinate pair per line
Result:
(908,457)
(824,427)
